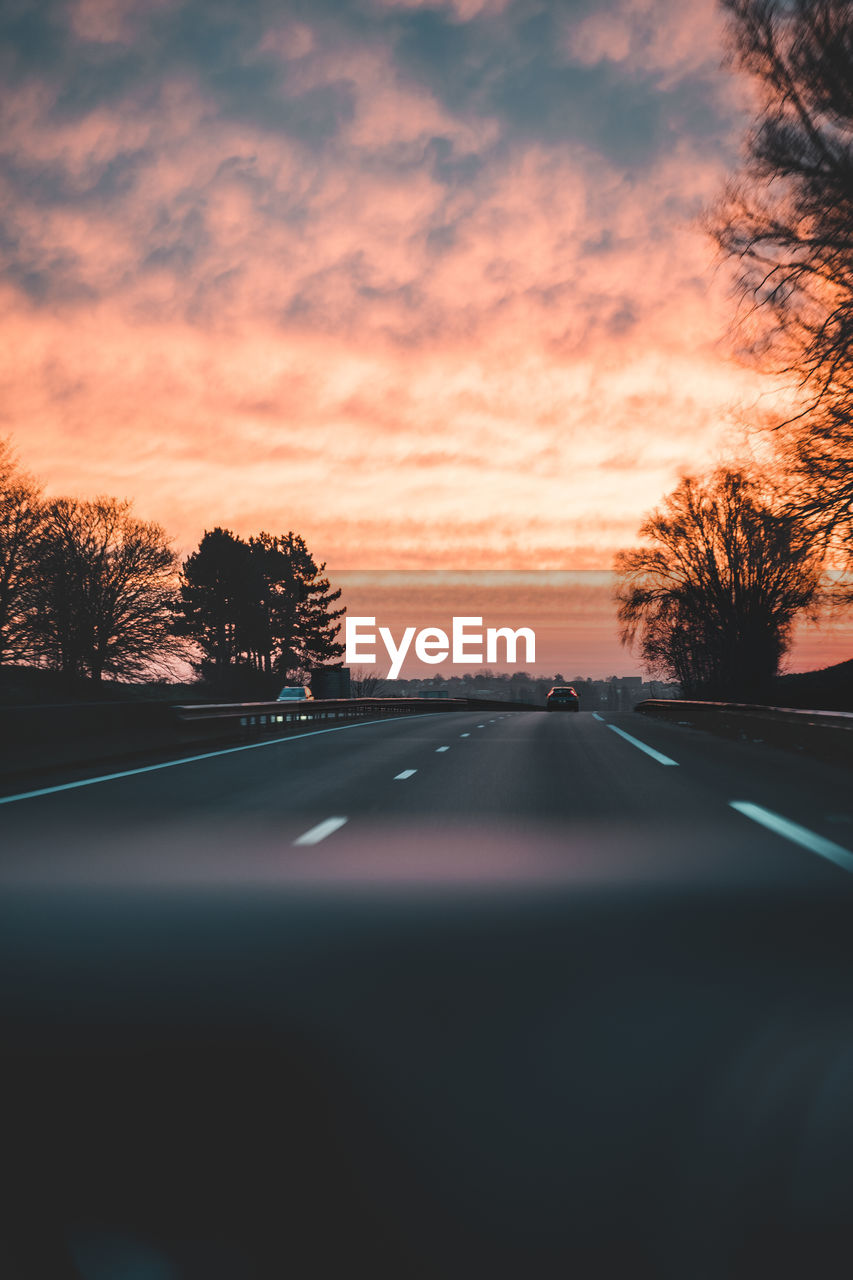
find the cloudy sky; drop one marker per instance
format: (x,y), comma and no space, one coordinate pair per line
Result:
(420,279)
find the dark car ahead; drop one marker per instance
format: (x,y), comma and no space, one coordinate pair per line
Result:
(562,698)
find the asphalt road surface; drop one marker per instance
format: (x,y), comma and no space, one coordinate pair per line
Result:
(447,995)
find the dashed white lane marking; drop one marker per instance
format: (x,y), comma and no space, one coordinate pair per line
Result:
(642,746)
(596,716)
(464,735)
(322,829)
(442,749)
(481,726)
(207,755)
(407,773)
(795,833)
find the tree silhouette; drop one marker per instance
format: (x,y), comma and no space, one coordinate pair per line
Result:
(21,517)
(292,625)
(712,600)
(365,683)
(261,607)
(788,222)
(101,590)
(214,601)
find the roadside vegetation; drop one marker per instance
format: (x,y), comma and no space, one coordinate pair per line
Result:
(731,560)
(713,596)
(90,593)
(261,612)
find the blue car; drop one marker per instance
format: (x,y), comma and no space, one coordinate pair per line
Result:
(295,693)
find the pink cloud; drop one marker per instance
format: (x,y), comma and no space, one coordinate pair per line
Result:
(407,368)
(461,10)
(661,36)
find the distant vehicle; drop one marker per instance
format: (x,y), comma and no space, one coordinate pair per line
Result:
(562,698)
(295,693)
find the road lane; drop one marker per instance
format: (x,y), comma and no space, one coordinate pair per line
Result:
(549,778)
(798,835)
(643,746)
(19,792)
(798,786)
(319,832)
(542,1007)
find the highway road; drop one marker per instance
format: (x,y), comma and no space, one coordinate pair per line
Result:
(560,794)
(459,994)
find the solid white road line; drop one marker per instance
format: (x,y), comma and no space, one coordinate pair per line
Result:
(442,749)
(322,829)
(642,746)
(207,755)
(795,833)
(596,716)
(407,773)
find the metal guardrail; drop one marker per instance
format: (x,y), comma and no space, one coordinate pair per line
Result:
(271,715)
(827,733)
(40,738)
(673,708)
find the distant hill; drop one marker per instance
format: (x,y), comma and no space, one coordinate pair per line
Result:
(830,689)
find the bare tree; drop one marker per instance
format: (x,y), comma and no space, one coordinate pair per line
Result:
(711,601)
(788,223)
(366,684)
(21,516)
(102,591)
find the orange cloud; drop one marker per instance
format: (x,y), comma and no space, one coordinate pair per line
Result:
(414,280)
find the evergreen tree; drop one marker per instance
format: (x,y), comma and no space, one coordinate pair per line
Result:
(215,598)
(295,624)
(261,610)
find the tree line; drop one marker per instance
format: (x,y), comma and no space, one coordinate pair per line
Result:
(261,611)
(732,559)
(88,589)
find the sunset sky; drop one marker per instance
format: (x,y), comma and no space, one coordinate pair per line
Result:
(424,282)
